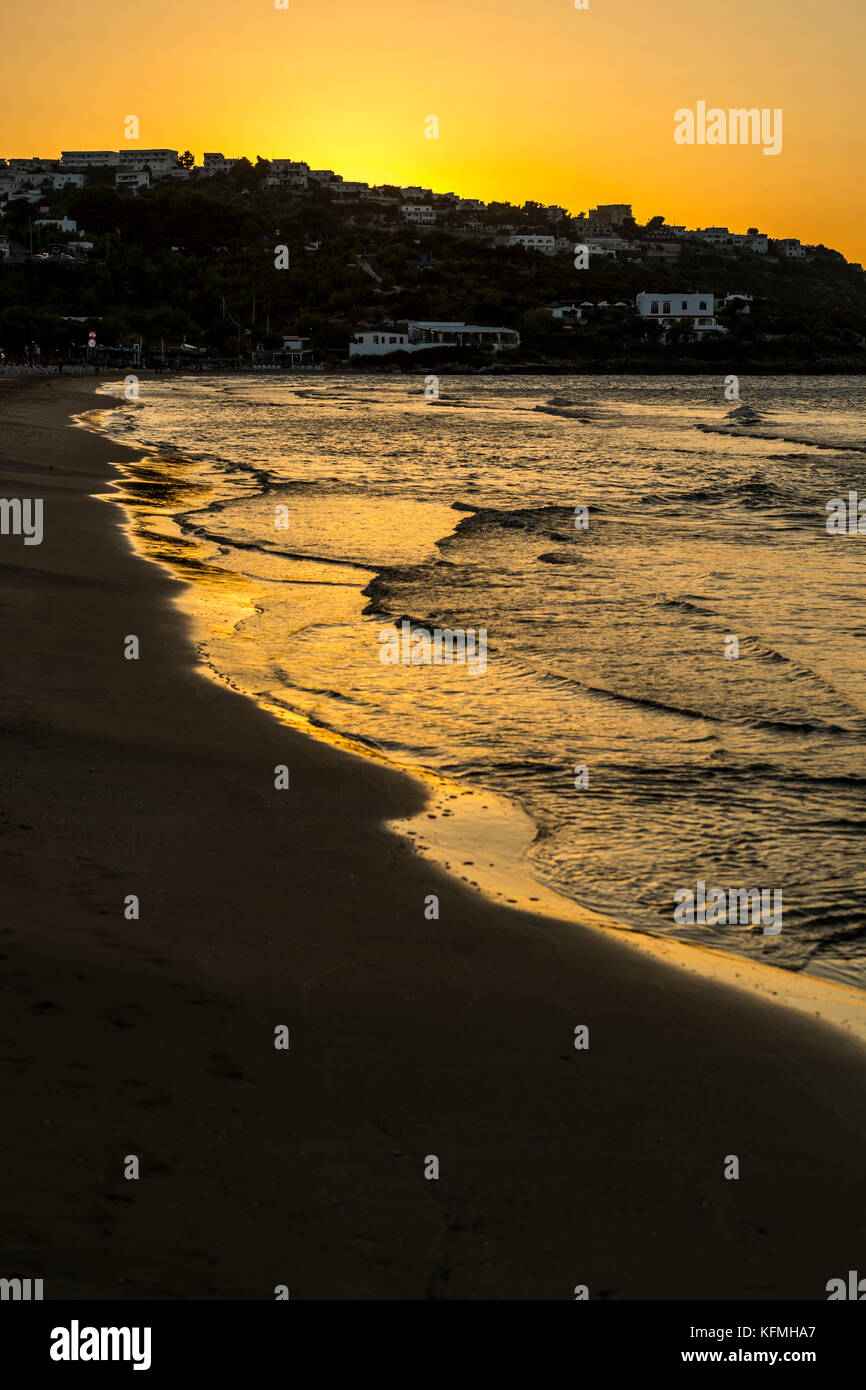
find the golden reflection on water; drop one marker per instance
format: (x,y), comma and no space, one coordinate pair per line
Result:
(215,596)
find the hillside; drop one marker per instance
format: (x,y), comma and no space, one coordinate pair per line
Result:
(194,263)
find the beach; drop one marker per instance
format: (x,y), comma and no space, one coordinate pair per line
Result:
(409,1037)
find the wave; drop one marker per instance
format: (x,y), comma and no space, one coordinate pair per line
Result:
(823,445)
(564,413)
(227,542)
(754,491)
(746,414)
(685,605)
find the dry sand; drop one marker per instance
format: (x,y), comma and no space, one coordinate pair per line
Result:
(408,1037)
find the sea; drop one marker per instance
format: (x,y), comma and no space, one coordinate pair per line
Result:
(674,689)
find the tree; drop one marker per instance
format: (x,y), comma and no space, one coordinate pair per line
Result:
(681,332)
(241,174)
(96,209)
(186,160)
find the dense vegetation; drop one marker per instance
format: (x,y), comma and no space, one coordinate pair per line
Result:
(194,262)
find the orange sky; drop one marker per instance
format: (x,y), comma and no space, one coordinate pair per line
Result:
(535,99)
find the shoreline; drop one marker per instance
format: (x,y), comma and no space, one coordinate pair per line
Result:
(455,820)
(603,367)
(409,1037)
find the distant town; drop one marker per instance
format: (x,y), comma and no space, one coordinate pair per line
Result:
(604,230)
(369,263)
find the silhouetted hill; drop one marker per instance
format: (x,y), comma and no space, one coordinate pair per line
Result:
(195,262)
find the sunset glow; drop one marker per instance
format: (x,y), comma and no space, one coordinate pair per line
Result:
(535,100)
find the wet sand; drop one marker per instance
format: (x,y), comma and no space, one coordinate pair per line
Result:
(409,1037)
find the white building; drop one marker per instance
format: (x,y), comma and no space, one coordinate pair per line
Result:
(713,236)
(380,343)
(530,242)
(157,161)
(67,180)
(670,308)
(421,214)
(131,180)
(609,245)
(63,224)
(790,248)
(350,188)
(216,163)
(721,236)
(89,159)
(289,173)
(18,185)
(462,334)
(297,350)
(426,334)
(33,165)
(750,241)
(598,246)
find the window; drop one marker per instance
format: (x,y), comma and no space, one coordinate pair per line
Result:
(392,340)
(703,304)
(686,304)
(654,308)
(376,338)
(666,308)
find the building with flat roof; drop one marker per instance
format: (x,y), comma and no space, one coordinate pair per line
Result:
(31,165)
(532,242)
(420,214)
(419,335)
(89,159)
(63,224)
(379,342)
(157,161)
(289,173)
(131,180)
(669,309)
(462,334)
(216,163)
